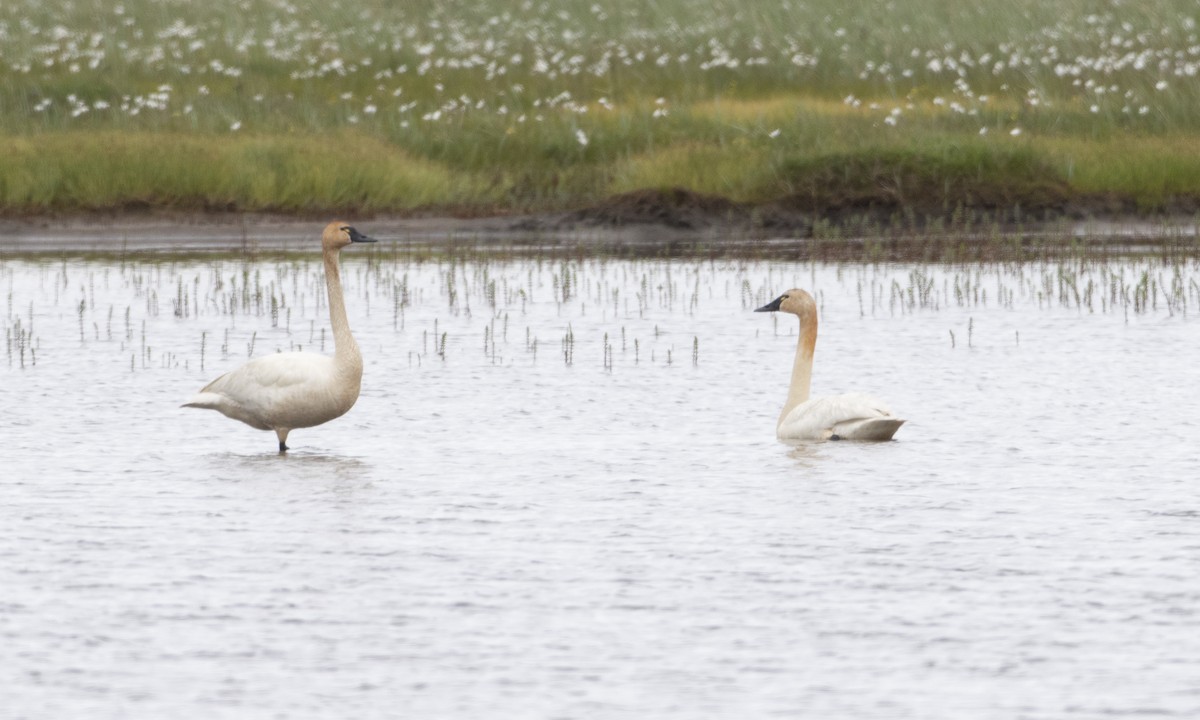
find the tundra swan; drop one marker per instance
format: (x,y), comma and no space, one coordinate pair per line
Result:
(853,416)
(291,390)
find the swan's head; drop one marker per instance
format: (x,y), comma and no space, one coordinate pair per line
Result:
(794,301)
(338,235)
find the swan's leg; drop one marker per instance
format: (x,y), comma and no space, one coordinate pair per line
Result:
(282,433)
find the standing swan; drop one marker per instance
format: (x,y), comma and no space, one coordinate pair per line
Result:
(853,416)
(291,390)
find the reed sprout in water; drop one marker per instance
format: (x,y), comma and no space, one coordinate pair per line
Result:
(624,314)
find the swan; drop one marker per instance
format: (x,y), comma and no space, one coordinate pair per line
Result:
(853,416)
(285,391)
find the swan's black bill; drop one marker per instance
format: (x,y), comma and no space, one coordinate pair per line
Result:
(356,236)
(772,306)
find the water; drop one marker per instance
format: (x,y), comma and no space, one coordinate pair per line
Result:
(580,532)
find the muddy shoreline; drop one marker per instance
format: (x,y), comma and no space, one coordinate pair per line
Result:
(677,222)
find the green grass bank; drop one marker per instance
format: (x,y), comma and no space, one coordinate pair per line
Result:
(829,108)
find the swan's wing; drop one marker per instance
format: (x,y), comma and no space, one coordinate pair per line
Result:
(258,390)
(853,416)
(279,372)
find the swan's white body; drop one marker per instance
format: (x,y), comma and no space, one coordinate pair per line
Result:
(853,416)
(292,390)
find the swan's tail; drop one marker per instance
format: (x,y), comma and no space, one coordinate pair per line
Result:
(207,400)
(876,428)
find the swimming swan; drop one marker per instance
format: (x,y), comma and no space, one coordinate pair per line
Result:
(291,390)
(853,416)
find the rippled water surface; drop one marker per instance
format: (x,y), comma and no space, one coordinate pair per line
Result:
(560,494)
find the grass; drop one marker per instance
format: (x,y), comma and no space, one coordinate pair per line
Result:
(1150,170)
(930,179)
(97,170)
(491,107)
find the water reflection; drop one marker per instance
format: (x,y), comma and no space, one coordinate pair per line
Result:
(294,465)
(806,453)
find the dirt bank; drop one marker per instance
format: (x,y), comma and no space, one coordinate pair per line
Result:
(658,218)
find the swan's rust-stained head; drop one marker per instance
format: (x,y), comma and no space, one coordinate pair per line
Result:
(338,235)
(802,305)
(794,301)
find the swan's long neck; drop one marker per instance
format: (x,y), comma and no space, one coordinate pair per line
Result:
(802,368)
(345,349)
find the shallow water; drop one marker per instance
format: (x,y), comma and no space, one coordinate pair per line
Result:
(570,532)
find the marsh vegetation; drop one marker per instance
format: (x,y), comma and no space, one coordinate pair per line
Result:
(533,307)
(827,107)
